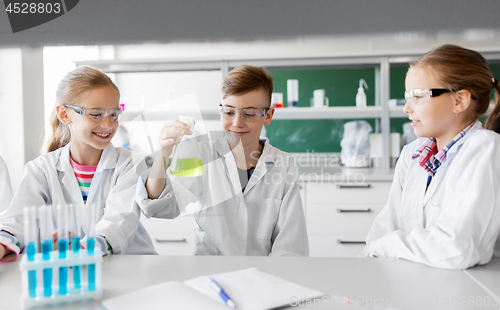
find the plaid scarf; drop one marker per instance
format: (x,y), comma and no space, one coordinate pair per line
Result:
(429,158)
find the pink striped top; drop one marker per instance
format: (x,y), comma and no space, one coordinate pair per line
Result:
(84,176)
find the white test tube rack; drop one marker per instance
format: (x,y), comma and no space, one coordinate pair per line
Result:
(82,258)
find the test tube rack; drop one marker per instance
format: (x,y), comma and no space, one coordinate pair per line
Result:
(86,291)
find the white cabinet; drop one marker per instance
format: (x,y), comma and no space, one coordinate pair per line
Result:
(339,215)
(171,237)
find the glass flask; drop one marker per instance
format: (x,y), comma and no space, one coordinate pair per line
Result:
(186,158)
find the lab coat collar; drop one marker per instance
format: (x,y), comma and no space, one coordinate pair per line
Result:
(107,161)
(477,125)
(224,151)
(266,158)
(436,180)
(69,179)
(268,153)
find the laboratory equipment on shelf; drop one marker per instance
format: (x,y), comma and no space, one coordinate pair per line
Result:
(361,96)
(292,93)
(355,144)
(277,100)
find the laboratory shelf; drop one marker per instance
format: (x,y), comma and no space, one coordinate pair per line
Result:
(397,112)
(328,113)
(168,115)
(279,114)
(381,62)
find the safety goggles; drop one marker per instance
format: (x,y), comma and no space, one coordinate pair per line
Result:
(97,114)
(418,96)
(247,114)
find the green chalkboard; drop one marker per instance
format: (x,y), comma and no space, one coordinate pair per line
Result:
(340,87)
(397,91)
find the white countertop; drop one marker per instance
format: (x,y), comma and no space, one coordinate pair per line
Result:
(372,282)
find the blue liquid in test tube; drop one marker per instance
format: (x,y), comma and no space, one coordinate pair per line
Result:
(62,246)
(47,272)
(91,267)
(77,270)
(31,250)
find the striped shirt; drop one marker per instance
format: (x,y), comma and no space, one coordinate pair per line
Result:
(84,176)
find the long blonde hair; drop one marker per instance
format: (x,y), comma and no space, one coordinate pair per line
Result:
(460,68)
(70,90)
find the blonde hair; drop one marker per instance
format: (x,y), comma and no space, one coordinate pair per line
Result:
(460,68)
(70,90)
(246,78)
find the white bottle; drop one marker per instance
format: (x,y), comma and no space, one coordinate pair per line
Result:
(361,96)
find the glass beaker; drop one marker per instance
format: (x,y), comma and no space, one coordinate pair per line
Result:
(186,158)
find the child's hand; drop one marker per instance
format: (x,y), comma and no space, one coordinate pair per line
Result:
(4,251)
(54,235)
(170,134)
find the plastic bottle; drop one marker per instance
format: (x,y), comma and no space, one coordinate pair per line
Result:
(361,96)
(186,159)
(293,93)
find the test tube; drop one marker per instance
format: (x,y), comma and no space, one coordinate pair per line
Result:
(75,245)
(47,244)
(62,246)
(30,237)
(91,220)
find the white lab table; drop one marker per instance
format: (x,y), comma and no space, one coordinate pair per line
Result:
(375,283)
(487,276)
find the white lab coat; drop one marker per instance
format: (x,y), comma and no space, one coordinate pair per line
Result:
(50,179)
(266,219)
(5,188)
(455,224)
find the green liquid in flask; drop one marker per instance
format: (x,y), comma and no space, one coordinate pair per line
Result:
(187,167)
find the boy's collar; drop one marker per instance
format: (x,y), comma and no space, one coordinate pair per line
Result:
(268,153)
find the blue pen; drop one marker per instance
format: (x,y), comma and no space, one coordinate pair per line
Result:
(216,286)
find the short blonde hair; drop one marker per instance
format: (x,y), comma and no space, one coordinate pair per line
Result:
(246,78)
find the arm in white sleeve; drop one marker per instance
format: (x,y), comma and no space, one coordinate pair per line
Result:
(165,206)
(389,219)
(121,217)
(33,191)
(5,187)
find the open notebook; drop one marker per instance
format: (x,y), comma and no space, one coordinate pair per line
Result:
(248,288)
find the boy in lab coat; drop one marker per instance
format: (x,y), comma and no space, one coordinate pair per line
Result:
(247,201)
